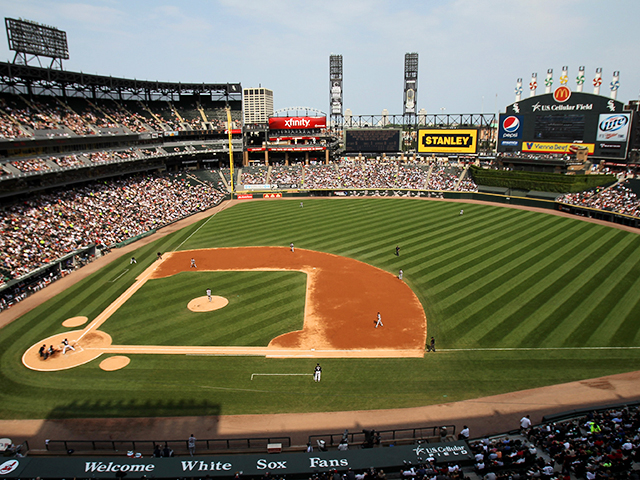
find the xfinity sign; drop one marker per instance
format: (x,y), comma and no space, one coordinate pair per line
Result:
(299,123)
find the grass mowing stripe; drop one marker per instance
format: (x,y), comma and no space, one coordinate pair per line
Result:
(504,294)
(494,256)
(624,312)
(480,294)
(600,283)
(503,259)
(542,300)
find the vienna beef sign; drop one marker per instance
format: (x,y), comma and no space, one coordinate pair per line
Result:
(297,123)
(228,465)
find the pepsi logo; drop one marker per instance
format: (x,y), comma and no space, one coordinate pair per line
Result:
(511,124)
(8,467)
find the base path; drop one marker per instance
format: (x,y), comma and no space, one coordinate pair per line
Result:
(342,302)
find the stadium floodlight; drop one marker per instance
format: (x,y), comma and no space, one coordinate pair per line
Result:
(30,38)
(410,84)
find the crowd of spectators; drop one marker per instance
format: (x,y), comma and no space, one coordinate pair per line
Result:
(35,165)
(84,118)
(48,226)
(600,445)
(618,198)
(31,165)
(254,176)
(364,174)
(286,175)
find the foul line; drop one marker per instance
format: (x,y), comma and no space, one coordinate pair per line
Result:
(111,281)
(197,229)
(516,349)
(280,374)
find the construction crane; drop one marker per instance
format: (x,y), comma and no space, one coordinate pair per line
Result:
(228,109)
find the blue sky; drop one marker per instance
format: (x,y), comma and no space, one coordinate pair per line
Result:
(471,51)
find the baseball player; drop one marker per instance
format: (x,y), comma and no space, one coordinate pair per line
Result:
(291,245)
(132,261)
(461,212)
(400,274)
(65,342)
(193,263)
(301,204)
(209,294)
(317,373)
(379,321)
(159,255)
(397,250)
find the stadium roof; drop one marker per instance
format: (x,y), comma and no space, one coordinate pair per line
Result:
(13,74)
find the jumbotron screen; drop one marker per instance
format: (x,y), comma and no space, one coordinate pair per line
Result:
(566,128)
(372,140)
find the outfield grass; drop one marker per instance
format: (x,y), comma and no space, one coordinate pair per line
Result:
(560,295)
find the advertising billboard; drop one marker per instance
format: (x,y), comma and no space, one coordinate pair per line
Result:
(290,123)
(551,123)
(510,127)
(447,141)
(551,147)
(613,128)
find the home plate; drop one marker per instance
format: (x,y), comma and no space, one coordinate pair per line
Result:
(202,304)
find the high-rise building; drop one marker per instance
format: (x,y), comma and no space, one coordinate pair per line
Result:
(257,105)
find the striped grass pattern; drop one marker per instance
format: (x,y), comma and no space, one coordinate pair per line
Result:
(515,299)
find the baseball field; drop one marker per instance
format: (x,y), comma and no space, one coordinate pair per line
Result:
(515,299)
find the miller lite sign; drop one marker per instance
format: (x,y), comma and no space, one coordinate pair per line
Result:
(613,127)
(510,126)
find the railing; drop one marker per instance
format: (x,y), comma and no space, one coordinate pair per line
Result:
(178,446)
(386,436)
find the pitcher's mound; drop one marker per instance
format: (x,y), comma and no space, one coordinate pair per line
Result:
(74,322)
(202,304)
(112,364)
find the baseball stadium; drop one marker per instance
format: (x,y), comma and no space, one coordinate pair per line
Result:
(297,293)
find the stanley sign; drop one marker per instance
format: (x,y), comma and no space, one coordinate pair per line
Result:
(447,141)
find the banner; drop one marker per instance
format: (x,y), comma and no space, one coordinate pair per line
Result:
(447,141)
(288,123)
(253,465)
(549,147)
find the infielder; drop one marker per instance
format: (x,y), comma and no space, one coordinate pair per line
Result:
(317,373)
(400,274)
(379,321)
(193,263)
(291,245)
(209,294)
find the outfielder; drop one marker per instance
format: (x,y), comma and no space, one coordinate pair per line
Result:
(317,373)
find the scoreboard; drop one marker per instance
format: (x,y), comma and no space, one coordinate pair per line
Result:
(372,140)
(553,123)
